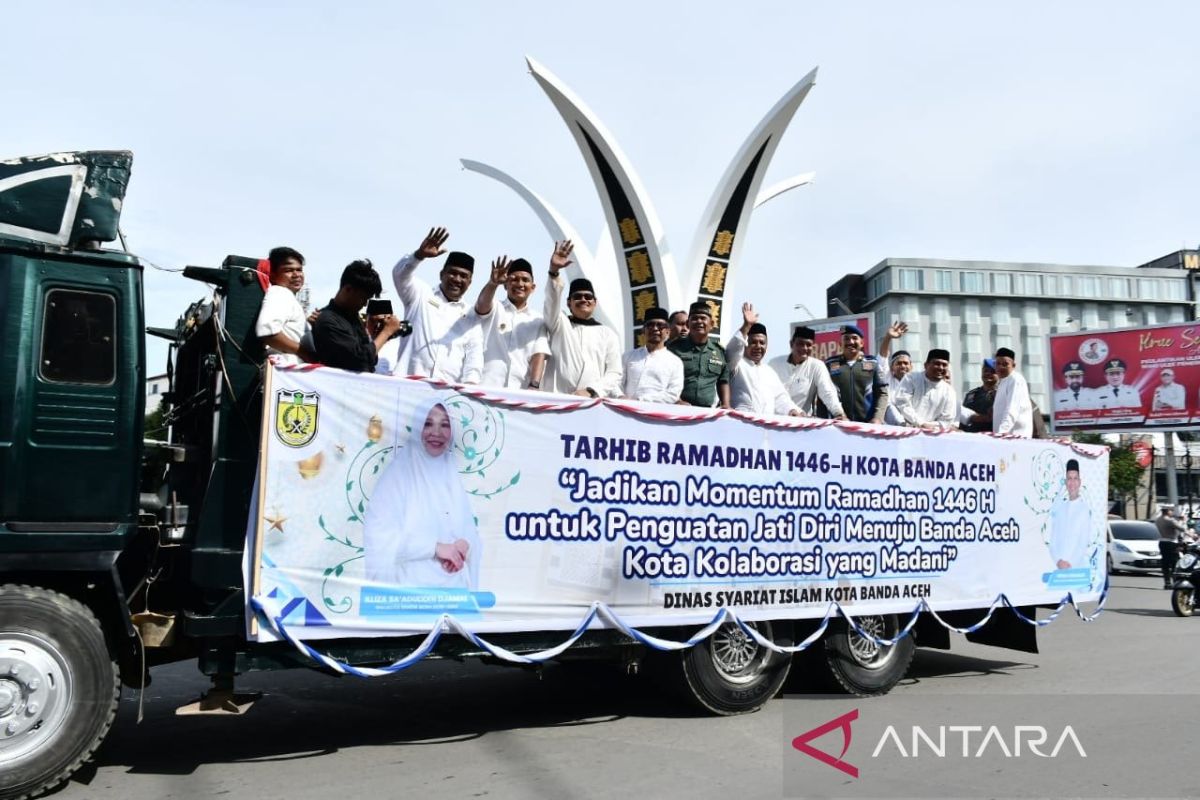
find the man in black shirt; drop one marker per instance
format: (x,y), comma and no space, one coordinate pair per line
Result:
(341,339)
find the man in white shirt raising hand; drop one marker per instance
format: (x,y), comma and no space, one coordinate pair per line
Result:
(446,342)
(756,389)
(585,356)
(512,331)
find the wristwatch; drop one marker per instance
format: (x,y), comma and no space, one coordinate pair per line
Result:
(592,392)
(534,385)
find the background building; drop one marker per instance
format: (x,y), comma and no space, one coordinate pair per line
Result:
(155,386)
(973,307)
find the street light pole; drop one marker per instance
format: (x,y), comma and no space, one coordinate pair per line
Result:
(835,300)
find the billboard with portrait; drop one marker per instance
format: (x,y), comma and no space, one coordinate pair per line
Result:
(829,333)
(1144,378)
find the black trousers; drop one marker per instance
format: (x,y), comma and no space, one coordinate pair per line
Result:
(1170,554)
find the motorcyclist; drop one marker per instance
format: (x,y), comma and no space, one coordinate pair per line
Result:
(1170,532)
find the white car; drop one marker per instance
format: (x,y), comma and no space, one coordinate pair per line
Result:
(1133,547)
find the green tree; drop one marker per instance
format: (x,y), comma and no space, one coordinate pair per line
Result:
(1123,470)
(155,426)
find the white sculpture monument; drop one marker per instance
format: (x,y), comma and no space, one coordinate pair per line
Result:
(644,274)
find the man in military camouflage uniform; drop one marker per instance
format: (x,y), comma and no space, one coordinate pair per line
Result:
(861,380)
(705,368)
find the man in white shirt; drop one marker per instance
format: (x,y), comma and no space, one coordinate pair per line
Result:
(755,387)
(1071,531)
(512,330)
(281,319)
(585,356)
(1012,411)
(925,399)
(899,366)
(446,341)
(653,373)
(1168,395)
(807,378)
(1076,397)
(1117,394)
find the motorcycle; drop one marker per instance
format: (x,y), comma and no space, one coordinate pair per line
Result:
(1185,580)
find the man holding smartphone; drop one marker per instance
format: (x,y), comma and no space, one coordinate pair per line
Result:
(341,338)
(446,341)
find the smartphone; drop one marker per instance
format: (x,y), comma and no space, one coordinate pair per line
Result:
(378,306)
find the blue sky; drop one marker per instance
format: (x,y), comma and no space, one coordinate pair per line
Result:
(1062,132)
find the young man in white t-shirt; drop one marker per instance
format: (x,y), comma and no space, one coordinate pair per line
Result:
(281,319)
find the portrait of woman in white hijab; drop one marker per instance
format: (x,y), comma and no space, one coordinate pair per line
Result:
(419,529)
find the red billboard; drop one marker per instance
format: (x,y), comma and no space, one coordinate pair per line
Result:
(829,334)
(1143,378)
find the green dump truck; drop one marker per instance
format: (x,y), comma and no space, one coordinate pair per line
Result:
(94,514)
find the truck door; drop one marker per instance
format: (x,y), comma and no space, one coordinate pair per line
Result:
(83,441)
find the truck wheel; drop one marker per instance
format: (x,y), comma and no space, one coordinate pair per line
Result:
(59,688)
(730,673)
(861,667)
(1183,602)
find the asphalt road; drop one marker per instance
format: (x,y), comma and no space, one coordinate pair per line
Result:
(471,730)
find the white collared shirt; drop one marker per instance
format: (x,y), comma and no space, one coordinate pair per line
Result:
(281,312)
(511,336)
(655,377)
(755,388)
(807,381)
(1013,410)
(891,415)
(918,401)
(446,342)
(1070,400)
(1071,533)
(581,356)
(1171,396)
(1121,396)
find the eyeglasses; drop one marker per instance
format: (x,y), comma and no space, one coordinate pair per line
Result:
(656,326)
(586,297)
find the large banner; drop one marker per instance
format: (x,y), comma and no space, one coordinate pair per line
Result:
(384,503)
(1130,378)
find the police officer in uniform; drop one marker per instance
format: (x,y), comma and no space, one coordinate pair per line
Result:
(861,380)
(705,368)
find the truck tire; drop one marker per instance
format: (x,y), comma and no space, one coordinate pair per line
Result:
(1182,602)
(729,673)
(59,689)
(856,665)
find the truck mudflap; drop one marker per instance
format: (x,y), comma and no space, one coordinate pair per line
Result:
(536,512)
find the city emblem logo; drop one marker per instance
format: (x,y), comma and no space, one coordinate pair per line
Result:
(296,416)
(1093,351)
